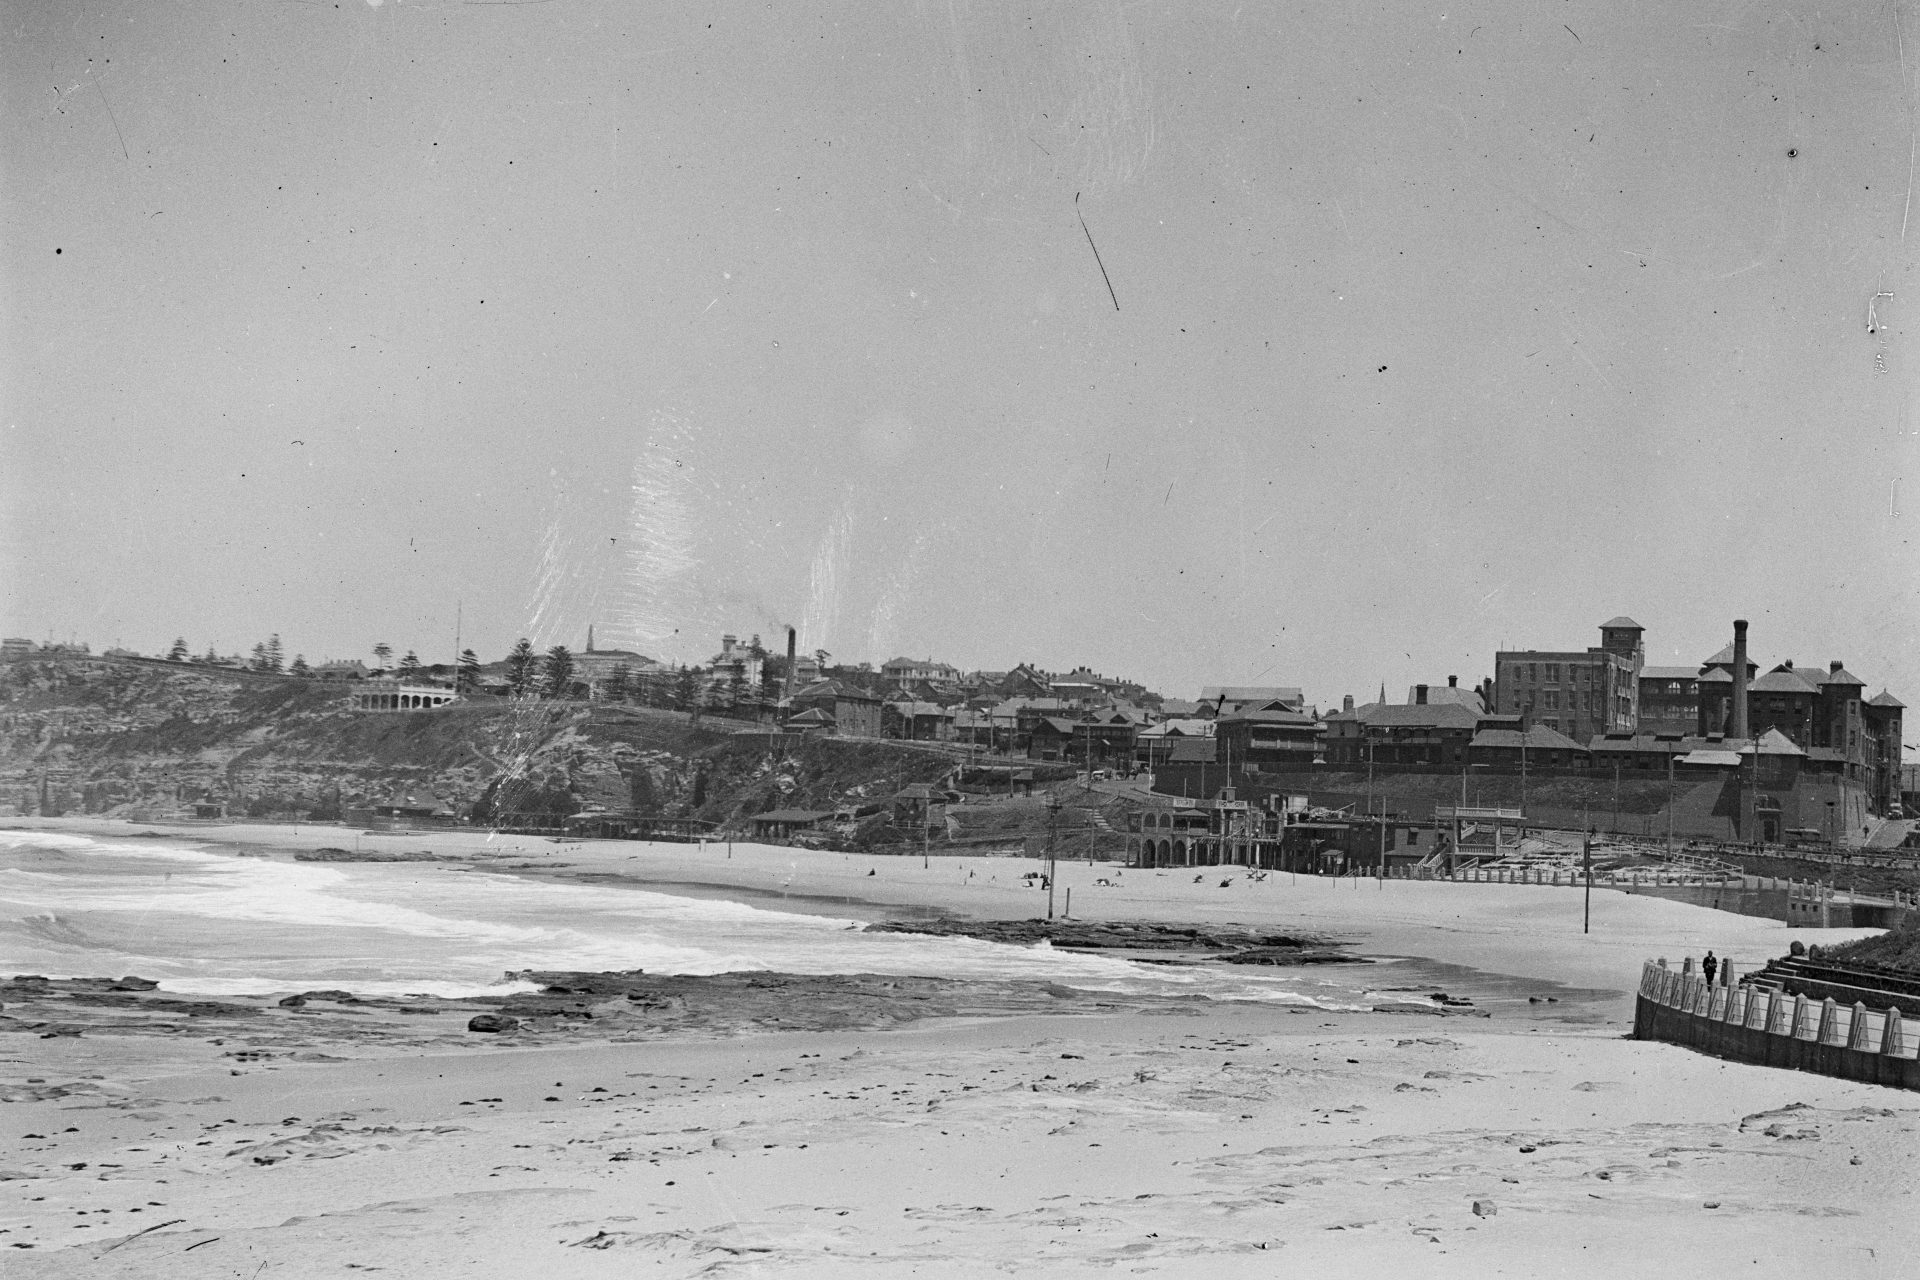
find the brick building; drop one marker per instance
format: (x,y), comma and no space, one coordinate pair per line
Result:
(1581,693)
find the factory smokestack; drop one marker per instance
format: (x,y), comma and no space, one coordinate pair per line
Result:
(1737,721)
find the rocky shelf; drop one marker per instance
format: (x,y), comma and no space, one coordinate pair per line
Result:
(1224,945)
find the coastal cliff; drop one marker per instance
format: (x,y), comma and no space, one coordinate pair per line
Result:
(146,739)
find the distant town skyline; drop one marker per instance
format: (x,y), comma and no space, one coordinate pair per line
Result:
(1313,693)
(1332,346)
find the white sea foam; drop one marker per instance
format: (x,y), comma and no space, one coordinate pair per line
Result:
(217,924)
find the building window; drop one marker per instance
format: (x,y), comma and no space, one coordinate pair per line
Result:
(1530,667)
(1553,672)
(1553,699)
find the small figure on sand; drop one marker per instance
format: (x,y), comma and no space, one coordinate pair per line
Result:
(1709,966)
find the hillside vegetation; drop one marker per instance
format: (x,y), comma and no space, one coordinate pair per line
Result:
(145,740)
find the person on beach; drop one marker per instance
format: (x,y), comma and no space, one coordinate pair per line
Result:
(1709,966)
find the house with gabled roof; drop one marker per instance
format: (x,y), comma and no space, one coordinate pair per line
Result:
(855,712)
(916,721)
(1434,734)
(1271,738)
(1540,746)
(1231,699)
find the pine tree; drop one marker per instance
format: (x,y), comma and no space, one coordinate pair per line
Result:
(466,677)
(521,665)
(619,685)
(258,662)
(686,689)
(382,652)
(557,672)
(300,667)
(179,651)
(273,653)
(410,665)
(209,658)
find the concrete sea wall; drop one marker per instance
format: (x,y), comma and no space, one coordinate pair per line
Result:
(1768,1027)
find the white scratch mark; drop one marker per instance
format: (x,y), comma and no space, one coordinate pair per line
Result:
(1873,319)
(660,540)
(1906,96)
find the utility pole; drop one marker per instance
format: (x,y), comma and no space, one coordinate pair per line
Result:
(1669,802)
(1369,772)
(1586,858)
(1523,769)
(1616,795)
(1053,831)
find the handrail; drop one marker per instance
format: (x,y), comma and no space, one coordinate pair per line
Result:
(1851,1028)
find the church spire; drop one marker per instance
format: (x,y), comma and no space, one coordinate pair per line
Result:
(589,637)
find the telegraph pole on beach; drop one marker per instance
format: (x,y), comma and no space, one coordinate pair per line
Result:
(1586,859)
(1053,831)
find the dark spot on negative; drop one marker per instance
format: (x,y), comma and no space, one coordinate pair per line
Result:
(1792,152)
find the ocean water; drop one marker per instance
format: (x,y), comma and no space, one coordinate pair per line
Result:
(213,923)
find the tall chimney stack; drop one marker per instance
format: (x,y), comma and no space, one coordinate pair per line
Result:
(1346,703)
(1737,722)
(1453,682)
(1420,695)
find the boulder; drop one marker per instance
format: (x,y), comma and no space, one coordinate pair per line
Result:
(491,1022)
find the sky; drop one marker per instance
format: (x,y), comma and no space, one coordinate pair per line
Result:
(1326,345)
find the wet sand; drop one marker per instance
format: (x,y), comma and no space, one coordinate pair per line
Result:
(827,1127)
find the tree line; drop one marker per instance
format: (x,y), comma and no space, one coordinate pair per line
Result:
(532,674)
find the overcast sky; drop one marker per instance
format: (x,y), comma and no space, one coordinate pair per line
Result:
(1439,328)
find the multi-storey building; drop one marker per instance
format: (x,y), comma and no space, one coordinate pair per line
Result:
(1581,693)
(1669,699)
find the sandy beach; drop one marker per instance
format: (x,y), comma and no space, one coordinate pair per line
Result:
(756,1125)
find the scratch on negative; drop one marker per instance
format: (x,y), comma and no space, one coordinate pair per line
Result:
(114,121)
(1906,96)
(1096,252)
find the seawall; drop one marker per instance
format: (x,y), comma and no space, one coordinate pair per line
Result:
(1767,1027)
